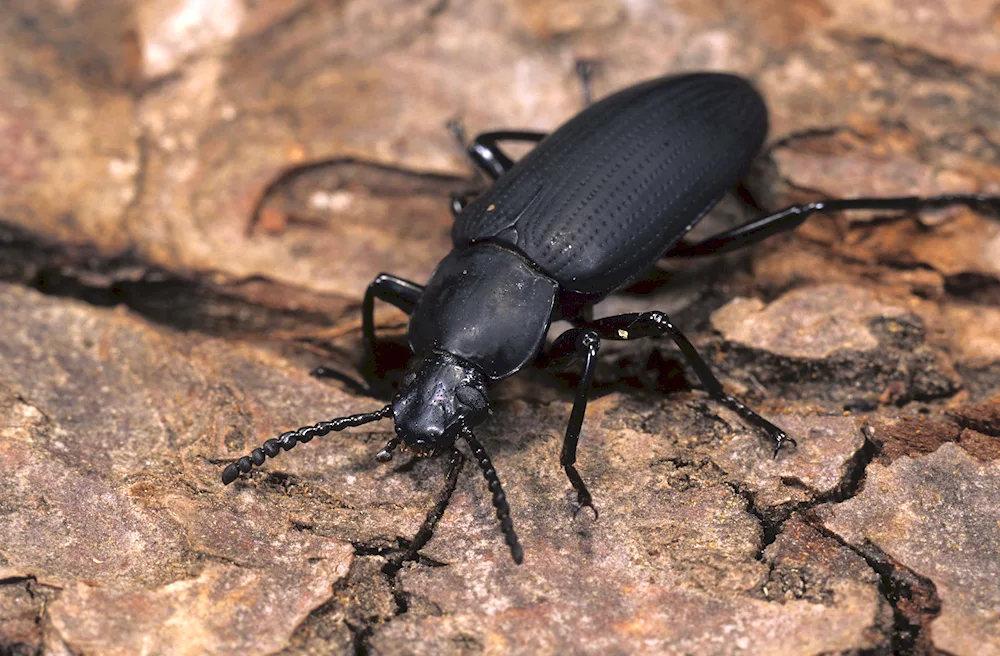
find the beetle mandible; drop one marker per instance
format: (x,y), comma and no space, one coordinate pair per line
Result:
(593,205)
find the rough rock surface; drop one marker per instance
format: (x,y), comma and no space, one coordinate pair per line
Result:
(938,517)
(195,193)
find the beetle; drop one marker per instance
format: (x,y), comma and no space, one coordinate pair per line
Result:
(593,205)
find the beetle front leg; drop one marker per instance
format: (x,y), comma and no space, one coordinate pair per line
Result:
(587,342)
(393,290)
(655,324)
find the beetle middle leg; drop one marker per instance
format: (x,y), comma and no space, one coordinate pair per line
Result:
(792,217)
(587,342)
(486,156)
(655,324)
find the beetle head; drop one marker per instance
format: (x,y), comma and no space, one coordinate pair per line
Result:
(439,394)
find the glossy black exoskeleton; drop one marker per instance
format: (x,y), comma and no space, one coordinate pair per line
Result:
(593,205)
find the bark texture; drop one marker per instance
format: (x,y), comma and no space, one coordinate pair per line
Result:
(195,193)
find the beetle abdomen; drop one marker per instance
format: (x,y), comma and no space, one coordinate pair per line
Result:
(607,193)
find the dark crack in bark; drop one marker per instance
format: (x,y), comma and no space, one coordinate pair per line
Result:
(370,597)
(180,300)
(913,598)
(773,518)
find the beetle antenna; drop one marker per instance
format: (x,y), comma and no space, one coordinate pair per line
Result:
(499,498)
(286,441)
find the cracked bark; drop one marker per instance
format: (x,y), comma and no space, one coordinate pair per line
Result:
(201,215)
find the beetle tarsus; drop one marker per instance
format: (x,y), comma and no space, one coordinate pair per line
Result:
(583,498)
(778,436)
(780,439)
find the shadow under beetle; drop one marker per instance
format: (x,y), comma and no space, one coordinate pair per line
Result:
(593,205)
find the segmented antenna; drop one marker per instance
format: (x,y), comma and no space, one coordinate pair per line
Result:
(286,441)
(499,498)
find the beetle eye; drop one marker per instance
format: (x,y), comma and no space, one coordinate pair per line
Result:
(471,397)
(409,378)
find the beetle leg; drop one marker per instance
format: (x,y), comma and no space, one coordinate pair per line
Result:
(395,291)
(487,155)
(459,199)
(587,342)
(426,531)
(792,217)
(654,324)
(386,287)
(585,71)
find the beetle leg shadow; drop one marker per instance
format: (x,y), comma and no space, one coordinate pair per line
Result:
(359,388)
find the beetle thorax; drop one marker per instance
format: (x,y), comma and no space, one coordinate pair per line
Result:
(439,394)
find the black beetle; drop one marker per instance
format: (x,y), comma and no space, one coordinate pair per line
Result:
(593,205)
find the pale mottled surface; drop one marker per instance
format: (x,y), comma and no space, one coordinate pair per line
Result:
(801,325)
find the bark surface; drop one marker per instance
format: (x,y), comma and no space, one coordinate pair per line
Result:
(195,193)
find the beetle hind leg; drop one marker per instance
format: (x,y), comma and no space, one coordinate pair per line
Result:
(792,217)
(655,324)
